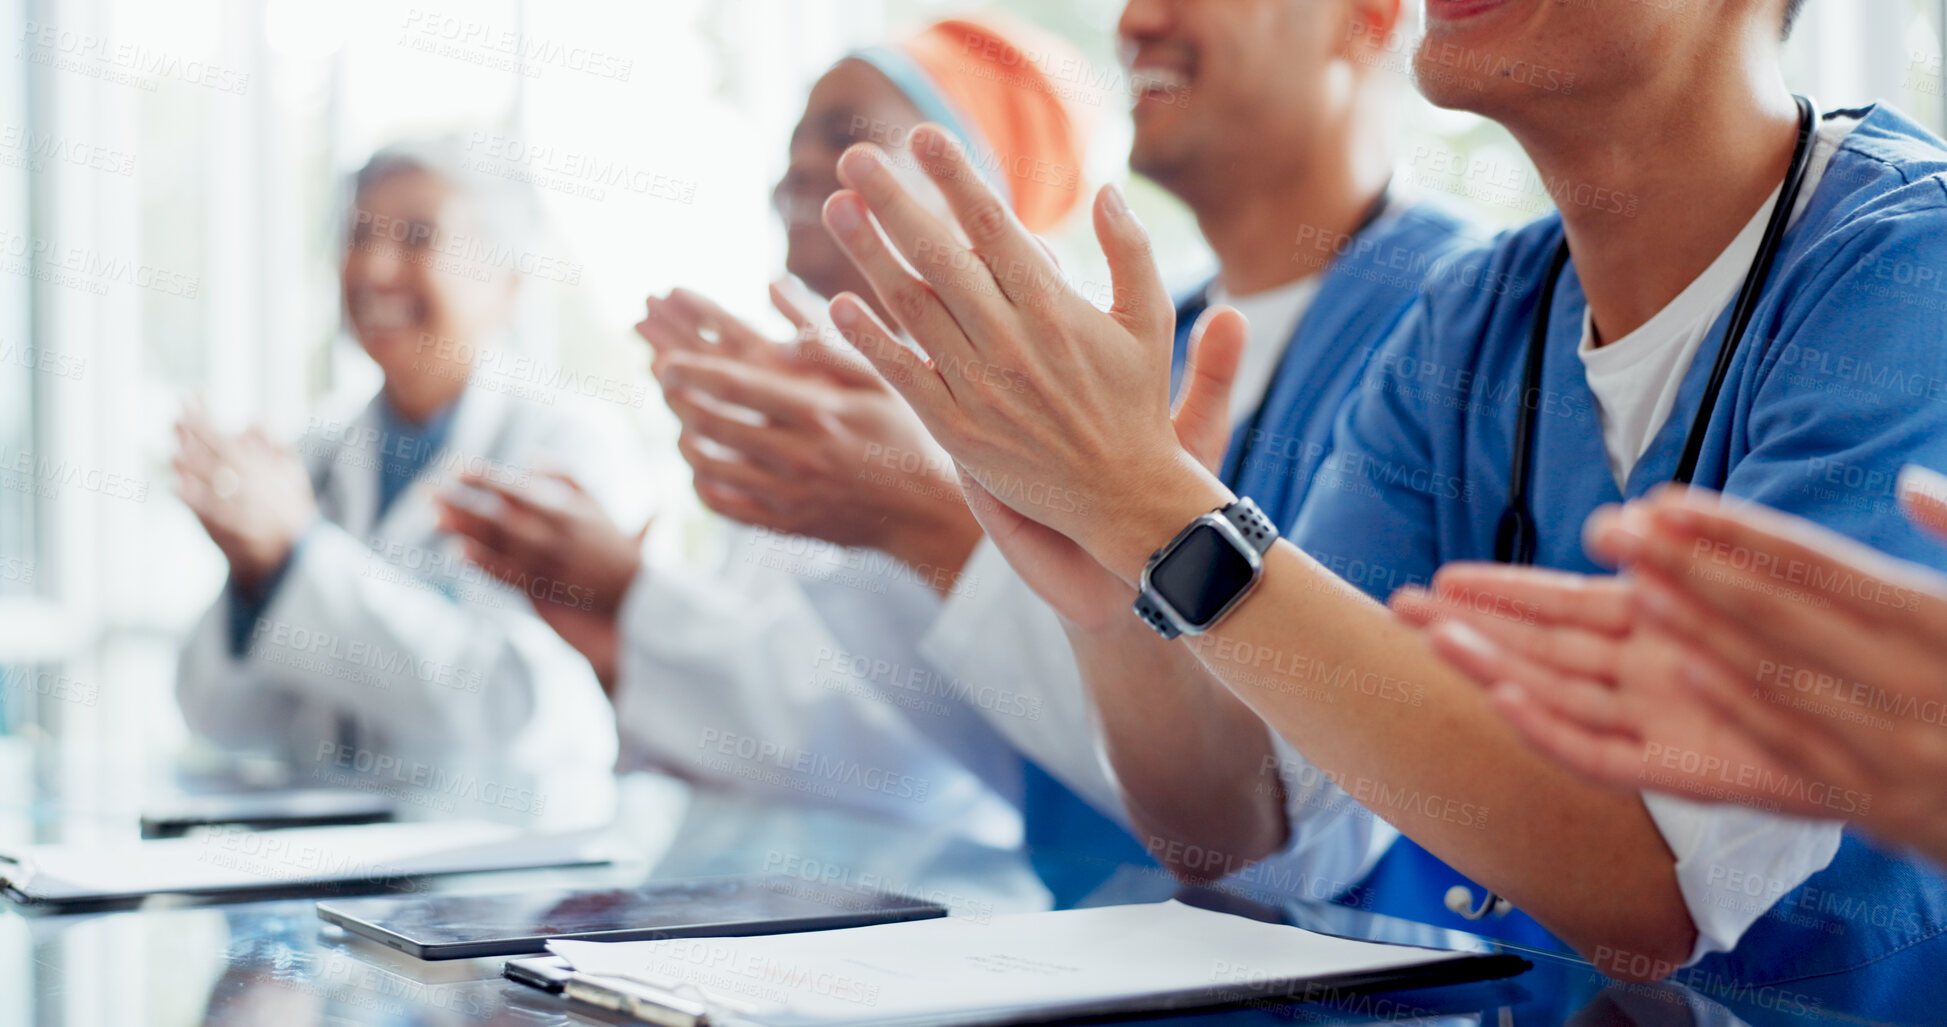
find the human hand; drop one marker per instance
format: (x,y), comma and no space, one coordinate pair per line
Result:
(1583,679)
(1828,656)
(1057,410)
(558,546)
(1082,591)
(252,495)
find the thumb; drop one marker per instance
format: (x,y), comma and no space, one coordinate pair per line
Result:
(1142,304)
(1202,416)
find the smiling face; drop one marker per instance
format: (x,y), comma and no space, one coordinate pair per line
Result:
(852,103)
(1227,81)
(414,306)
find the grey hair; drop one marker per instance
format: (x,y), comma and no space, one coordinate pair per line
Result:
(508,211)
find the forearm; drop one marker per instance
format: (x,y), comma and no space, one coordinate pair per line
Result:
(1194,764)
(1355,691)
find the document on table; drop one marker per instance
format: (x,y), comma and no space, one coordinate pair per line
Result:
(1010,969)
(224,860)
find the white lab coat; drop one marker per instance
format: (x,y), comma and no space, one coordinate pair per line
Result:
(387,662)
(730,674)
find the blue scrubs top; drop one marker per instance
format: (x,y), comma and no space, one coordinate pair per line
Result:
(1841,379)
(1371,281)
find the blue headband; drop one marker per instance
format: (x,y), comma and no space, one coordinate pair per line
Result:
(909,78)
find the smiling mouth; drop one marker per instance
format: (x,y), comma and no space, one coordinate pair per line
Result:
(1458,10)
(385,313)
(1156,83)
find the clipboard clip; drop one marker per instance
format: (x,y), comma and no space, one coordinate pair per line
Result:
(20,876)
(661,1007)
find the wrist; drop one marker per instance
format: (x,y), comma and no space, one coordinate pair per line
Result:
(1126,529)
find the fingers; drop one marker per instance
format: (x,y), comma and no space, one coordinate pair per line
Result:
(1783,580)
(1532,595)
(780,399)
(511,494)
(1606,758)
(743,475)
(1202,416)
(758,443)
(736,338)
(910,299)
(739,506)
(1923,494)
(1020,266)
(790,299)
(1142,303)
(1559,648)
(1751,709)
(473,528)
(924,389)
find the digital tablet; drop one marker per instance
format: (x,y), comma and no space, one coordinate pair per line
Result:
(469,926)
(315,807)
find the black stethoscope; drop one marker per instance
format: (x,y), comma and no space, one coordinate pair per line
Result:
(1514,536)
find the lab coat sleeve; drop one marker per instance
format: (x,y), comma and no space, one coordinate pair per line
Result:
(1852,385)
(728,674)
(1007,650)
(446,680)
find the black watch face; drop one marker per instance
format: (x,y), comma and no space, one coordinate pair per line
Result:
(1201,574)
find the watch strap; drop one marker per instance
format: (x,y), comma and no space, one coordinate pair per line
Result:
(1250,522)
(1259,533)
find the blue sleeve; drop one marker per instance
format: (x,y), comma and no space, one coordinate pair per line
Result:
(1371,514)
(1853,387)
(246,605)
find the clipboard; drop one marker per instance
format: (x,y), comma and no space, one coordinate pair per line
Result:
(1347,968)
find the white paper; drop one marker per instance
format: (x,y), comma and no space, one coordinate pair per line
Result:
(233,858)
(935,967)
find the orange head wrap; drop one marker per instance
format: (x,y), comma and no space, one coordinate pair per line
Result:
(987,79)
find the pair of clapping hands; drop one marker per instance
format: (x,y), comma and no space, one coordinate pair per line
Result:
(1680,675)
(1743,656)
(1688,673)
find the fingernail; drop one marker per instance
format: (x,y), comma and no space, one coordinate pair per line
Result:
(858,162)
(842,214)
(1119,204)
(1917,482)
(845,311)
(1692,675)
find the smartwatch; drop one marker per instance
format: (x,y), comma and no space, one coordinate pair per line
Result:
(1209,567)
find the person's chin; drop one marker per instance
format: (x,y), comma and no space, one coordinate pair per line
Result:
(389,345)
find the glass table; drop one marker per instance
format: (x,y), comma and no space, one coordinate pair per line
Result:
(178,962)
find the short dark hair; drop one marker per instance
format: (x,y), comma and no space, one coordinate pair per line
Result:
(1792,10)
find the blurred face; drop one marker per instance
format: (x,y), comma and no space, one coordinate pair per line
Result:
(1226,80)
(853,103)
(416,302)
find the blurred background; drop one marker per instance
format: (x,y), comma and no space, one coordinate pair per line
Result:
(171,188)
